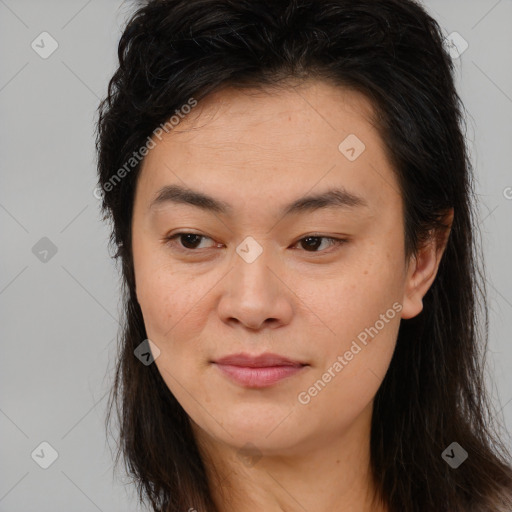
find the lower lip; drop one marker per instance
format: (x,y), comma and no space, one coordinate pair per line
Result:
(258,377)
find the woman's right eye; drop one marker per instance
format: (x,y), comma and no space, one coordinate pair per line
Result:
(187,242)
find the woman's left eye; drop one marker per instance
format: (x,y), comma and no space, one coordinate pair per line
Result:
(312,243)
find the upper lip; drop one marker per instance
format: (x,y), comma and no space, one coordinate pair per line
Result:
(259,361)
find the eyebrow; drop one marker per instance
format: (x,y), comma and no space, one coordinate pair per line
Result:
(333,197)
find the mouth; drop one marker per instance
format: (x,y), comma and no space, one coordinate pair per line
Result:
(258,371)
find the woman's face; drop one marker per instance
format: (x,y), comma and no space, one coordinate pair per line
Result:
(253,283)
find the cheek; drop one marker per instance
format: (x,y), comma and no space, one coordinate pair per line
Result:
(169,303)
(163,294)
(174,306)
(155,297)
(362,333)
(154,294)
(354,360)
(356,295)
(361,309)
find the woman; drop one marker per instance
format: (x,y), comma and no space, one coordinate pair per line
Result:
(292,204)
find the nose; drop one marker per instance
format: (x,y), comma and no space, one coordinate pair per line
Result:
(256,294)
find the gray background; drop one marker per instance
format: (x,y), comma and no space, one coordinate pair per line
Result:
(59,316)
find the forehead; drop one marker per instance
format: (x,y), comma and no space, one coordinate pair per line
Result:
(248,146)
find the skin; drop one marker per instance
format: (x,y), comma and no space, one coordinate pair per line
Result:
(259,151)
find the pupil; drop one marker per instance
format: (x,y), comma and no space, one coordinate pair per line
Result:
(315,239)
(187,240)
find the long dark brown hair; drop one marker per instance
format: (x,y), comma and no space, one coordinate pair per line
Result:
(392,51)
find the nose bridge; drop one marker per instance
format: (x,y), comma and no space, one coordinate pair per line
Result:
(254,293)
(252,272)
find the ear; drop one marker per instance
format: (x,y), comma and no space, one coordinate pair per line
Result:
(422,269)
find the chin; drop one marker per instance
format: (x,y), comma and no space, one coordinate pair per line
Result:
(265,436)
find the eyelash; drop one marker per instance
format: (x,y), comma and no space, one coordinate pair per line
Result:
(335,242)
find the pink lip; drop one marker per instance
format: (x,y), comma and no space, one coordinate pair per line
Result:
(258,371)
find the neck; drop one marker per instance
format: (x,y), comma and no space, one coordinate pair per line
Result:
(317,476)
